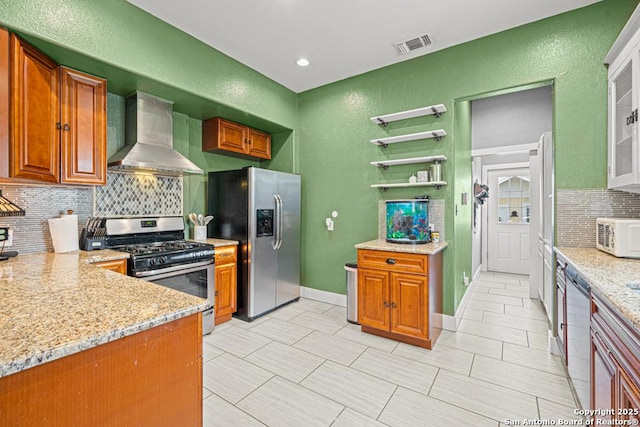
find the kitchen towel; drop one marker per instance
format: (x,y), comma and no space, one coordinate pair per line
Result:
(64,233)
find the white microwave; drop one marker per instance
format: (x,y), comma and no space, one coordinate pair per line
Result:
(618,236)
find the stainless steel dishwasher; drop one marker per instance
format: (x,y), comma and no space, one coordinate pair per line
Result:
(578,335)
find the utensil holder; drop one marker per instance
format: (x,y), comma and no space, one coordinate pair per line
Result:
(199,232)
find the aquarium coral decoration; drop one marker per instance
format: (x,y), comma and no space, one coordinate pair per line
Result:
(407,222)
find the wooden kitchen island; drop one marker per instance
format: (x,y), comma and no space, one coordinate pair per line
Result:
(83,345)
(400,291)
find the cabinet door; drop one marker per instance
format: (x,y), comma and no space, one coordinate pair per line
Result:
(602,375)
(623,116)
(35,114)
(84,128)
(628,399)
(409,304)
(373,299)
(225,280)
(117,265)
(4,103)
(232,137)
(259,144)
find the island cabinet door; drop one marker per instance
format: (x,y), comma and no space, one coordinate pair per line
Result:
(373,299)
(409,302)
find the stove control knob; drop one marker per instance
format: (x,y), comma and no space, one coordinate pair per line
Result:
(162,260)
(152,261)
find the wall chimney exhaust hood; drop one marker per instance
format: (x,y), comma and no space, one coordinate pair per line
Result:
(149,139)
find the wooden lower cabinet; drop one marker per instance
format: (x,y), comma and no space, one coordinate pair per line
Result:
(151,378)
(615,364)
(117,265)
(225,280)
(400,295)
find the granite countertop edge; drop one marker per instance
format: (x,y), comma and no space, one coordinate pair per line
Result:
(607,275)
(12,362)
(43,357)
(383,245)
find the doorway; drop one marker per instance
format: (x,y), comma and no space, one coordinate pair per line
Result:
(506,130)
(507,220)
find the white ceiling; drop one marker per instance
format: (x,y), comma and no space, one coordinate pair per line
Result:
(341,38)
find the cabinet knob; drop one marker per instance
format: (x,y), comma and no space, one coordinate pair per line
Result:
(248,142)
(393,305)
(391,261)
(66,127)
(386,304)
(58,126)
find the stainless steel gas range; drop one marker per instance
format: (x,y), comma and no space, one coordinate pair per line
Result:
(159,254)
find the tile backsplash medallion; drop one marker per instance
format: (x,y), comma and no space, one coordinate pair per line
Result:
(577,210)
(124,195)
(129,194)
(31,232)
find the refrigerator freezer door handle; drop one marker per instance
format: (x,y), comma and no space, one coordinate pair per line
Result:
(278,233)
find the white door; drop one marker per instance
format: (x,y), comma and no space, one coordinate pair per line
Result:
(508,222)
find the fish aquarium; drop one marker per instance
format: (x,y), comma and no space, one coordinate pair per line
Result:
(408,221)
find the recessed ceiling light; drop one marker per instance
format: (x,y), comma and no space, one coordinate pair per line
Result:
(302,62)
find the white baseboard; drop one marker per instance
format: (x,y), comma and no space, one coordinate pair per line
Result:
(450,323)
(323,296)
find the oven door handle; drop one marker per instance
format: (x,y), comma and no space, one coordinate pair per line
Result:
(168,272)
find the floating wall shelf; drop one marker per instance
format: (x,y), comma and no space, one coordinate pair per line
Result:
(384,164)
(432,110)
(385,187)
(435,134)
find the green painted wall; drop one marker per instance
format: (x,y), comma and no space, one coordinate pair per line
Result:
(136,51)
(335,131)
(324,133)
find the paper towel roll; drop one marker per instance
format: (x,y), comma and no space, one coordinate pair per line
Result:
(64,233)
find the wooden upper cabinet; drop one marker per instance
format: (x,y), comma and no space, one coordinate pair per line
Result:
(4,103)
(84,128)
(35,114)
(224,136)
(259,144)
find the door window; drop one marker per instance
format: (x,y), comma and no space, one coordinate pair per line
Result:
(513,199)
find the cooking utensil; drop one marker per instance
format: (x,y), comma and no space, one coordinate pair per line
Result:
(200,219)
(207,219)
(193,219)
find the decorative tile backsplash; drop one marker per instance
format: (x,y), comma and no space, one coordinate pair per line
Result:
(577,210)
(128,194)
(436,217)
(31,232)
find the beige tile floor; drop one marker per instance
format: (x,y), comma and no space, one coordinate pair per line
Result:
(305,365)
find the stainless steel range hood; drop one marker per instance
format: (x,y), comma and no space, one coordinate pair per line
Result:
(149,139)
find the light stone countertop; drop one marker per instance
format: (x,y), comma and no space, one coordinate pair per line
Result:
(218,242)
(54,305)
(607,275)
(382,245)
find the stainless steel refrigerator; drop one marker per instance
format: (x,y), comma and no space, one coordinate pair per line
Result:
(261,209)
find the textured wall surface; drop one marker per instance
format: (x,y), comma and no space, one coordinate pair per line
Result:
(335,130)
(577,210)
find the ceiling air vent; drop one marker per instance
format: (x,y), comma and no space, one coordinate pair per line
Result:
(406,46)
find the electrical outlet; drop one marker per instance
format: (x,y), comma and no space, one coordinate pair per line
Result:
(465,279)
(9,240)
